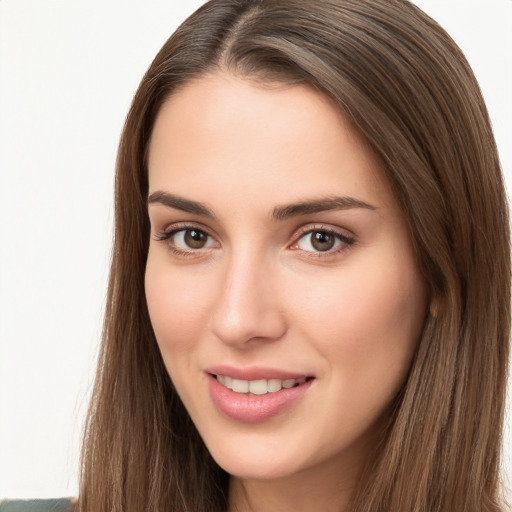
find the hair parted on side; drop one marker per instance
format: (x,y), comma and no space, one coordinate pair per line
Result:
(405,85)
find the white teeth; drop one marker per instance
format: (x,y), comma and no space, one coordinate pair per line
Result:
(258,387)
(289,383)
(240,386)
(274,385)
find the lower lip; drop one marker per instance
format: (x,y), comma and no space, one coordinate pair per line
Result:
(250,408)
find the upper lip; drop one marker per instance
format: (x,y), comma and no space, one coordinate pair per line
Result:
(254,373)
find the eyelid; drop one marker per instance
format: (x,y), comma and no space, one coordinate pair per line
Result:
(170,230)
(342,234)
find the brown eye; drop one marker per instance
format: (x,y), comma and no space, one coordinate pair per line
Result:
(322,241)
(186,241)
(195,239)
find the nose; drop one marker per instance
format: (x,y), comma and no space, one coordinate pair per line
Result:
(247,308)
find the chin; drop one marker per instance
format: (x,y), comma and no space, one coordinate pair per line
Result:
(255,459)
(246,469)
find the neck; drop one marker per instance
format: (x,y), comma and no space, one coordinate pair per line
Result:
(325,489)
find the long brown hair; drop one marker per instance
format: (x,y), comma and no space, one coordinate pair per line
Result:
(408,89)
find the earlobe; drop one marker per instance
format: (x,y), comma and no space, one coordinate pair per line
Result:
(436,305)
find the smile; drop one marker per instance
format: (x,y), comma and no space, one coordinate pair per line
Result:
(258,387)
(258,397)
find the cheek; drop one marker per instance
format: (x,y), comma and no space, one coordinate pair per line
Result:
(176,305)
(366,322)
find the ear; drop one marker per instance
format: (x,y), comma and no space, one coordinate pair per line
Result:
(436,304)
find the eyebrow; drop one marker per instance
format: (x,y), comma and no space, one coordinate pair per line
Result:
(319,205)
(279,213)
(180,203)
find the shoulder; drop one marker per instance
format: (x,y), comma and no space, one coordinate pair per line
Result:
(59,505)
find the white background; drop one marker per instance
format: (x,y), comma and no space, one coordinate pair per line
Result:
(68,70)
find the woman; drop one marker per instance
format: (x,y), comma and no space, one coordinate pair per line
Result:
(309,295)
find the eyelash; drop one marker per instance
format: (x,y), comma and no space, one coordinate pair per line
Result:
(166,236)
(345,241)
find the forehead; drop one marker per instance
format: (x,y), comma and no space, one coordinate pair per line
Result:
(221,134)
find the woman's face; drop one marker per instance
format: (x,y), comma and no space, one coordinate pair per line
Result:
(279,266)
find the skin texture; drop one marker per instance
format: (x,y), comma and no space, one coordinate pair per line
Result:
(258,294)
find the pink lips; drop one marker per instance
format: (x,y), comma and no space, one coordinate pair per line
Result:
(249,408)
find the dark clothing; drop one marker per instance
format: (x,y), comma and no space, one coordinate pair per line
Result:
(60,505)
